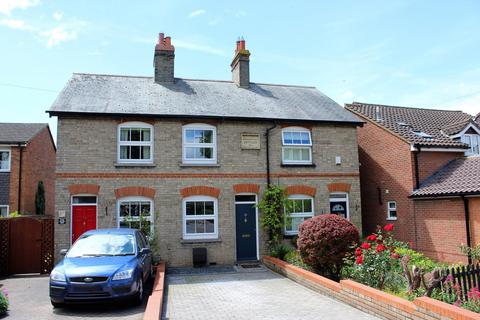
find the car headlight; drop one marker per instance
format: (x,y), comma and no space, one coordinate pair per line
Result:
(57,276)
(124,274)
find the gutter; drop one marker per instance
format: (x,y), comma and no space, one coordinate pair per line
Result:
(267,153)
(467,225)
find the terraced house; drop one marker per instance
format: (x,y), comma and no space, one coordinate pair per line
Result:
(420,170)
(192,157)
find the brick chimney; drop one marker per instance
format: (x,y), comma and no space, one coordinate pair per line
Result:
(241,65)
(163,60)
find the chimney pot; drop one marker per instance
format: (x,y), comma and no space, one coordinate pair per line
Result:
(168,41)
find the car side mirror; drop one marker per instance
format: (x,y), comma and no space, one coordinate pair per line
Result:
(63,252)
(145,251)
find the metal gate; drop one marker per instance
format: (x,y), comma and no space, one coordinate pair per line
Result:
(26,245)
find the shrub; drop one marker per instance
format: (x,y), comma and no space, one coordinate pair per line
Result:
(376,263)
(3,302)
(40,199)
(272,206)
(418,259)
(280,251)
(293,257)
(323,241)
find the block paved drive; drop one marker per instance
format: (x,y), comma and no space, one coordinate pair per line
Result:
(249,295)
(29,300)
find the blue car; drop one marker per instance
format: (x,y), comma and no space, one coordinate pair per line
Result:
(103,265)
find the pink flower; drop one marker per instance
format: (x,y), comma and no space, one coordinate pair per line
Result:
(366,245)
(359,260)
(372,237)
(388,227)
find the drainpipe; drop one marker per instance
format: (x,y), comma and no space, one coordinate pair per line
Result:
(467,225)
(415,159)
(20,179)
(267,135)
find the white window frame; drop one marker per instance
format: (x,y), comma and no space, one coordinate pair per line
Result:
(298,214)
(137,199)
(8,210)
(9,159)
(135,125)
(389,210)
(296,146)
(185,145)
(471,136)
(200,236)
(346,199)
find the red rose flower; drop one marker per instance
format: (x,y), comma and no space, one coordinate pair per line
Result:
(395,256)
(381,248)
(388,227)
(372,237)
(358,252)
(366,245)
(359,260)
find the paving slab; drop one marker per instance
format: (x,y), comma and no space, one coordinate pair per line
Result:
(249,295)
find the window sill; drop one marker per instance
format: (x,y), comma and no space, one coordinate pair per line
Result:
(391,219)
(128,165)
(305,165)
(193,241)
(4,171)
(190,165)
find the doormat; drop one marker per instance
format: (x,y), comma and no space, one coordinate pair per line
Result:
(250,265)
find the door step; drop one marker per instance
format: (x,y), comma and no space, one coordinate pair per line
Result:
(250,267)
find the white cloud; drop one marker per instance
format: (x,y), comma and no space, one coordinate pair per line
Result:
(7,6)
(197,13)
(58,35)
(16,24)
(240,14)
(197,47)
(57,16)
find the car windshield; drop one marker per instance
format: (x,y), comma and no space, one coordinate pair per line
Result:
(97,245)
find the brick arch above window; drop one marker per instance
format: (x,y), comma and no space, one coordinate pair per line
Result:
(339,187)
(246,188)
(83,188)
(200,191)
(301,189)
(135,191)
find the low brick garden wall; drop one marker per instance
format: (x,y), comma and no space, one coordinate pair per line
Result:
(153,310)
(371,300)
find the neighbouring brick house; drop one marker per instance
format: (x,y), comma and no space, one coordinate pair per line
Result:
(27,156)
(420,169)
(192,156)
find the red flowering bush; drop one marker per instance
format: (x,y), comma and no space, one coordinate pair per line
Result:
(375,262)
(324,240)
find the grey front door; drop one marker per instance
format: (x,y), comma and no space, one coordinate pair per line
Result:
(246,230)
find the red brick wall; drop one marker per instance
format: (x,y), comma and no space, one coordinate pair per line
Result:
(38,164)
(429,162)
(441,228)
(385,163)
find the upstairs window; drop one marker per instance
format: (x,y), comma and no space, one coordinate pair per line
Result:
(4,160)
(296,146)
(135,143)
(199,144)
(473,140)
(298,209)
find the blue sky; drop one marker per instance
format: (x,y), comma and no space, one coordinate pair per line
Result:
(413,53)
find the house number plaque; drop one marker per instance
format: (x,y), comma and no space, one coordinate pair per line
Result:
(250,141)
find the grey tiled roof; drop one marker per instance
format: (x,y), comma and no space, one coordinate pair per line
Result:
(404,121)
(109,94)
(19,132)
(460,176)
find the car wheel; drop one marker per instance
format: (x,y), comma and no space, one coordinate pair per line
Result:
(139,295)
(56,304)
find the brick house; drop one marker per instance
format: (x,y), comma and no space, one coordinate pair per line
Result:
(420,169)
(194,156)
(27,156)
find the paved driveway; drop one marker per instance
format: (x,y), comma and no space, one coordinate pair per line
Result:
(29,300)
(253,295)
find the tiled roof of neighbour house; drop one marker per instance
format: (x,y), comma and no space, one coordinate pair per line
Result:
(405,122)
(129,95)
(458,177)
(19,132)
(457,127)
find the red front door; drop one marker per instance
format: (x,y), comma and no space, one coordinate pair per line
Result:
(84,218)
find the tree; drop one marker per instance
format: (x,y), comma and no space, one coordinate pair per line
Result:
(40,199)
